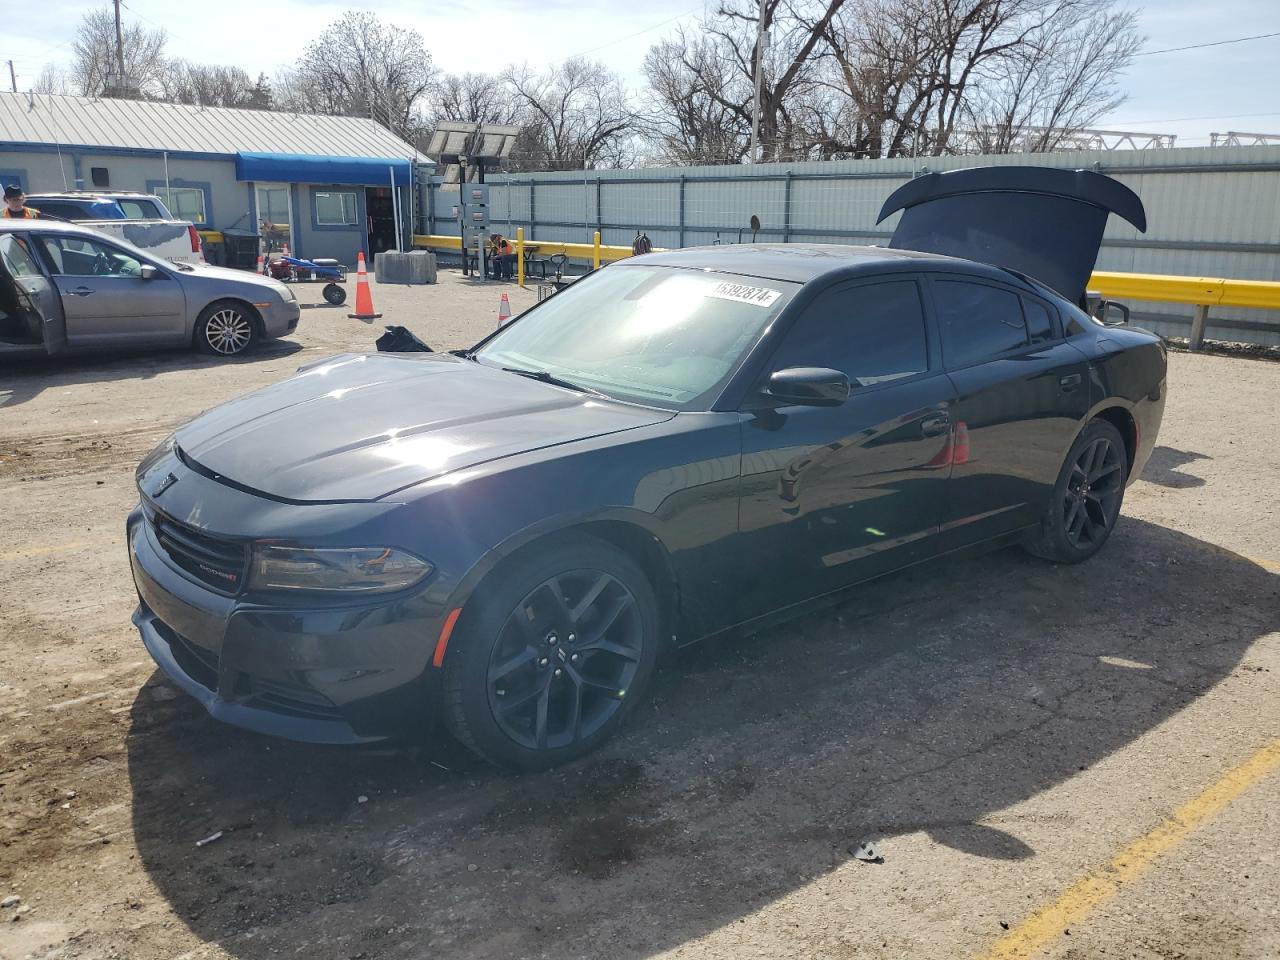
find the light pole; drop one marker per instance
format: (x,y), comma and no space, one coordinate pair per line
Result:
(755,103)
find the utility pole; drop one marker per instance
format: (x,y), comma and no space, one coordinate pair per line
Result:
(119,46)
(13,77)
(755,103)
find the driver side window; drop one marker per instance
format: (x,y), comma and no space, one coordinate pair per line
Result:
(83,257)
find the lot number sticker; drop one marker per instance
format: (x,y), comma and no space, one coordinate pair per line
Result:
(743,293)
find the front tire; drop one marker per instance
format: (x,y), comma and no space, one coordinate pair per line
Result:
(1086,499)
(551,655)
(226,328)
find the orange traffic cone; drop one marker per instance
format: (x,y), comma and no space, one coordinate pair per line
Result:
(504,310)
(962,443)
(364,299)
(262,266)
(284,249)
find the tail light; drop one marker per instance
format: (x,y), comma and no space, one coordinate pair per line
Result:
(195,238)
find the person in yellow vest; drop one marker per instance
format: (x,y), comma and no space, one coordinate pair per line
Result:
(15,204)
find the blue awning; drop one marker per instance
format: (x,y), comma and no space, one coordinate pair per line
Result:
(301,168)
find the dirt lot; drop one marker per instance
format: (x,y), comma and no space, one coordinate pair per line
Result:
(1002,727)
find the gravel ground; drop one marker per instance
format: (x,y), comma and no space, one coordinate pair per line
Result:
(1000,725)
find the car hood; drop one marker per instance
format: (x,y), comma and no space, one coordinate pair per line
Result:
(237,276)
(362,427)
(1039,221)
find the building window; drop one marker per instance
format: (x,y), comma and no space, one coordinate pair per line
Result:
(185,203)
(335,208)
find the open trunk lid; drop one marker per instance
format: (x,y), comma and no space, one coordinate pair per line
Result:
(1039,221)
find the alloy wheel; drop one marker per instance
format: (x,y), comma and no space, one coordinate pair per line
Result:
(564,659)
(1092,498)
(228,331)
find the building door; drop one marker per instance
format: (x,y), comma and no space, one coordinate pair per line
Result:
(382,219)
(275,217)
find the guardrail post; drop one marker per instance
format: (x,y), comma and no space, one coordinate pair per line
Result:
(520,257)
(595,252)
(1198,321)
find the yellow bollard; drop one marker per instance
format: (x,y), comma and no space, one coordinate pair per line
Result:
(595,253)
(520,257)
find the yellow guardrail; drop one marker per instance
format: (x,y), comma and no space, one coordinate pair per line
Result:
(1200,292)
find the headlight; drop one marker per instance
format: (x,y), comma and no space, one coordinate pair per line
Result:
(354,569)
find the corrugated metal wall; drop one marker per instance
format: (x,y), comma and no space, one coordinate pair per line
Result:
(1211,212)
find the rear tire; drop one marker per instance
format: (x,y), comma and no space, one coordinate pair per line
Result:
(227,328)
(1086,499)
(551,654)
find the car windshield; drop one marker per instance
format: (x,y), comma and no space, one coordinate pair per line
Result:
(653,335)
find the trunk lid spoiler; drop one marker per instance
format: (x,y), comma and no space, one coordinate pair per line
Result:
(1039,221)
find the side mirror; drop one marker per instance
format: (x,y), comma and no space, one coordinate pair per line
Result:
(809,387)
(1111,313)
(147,272)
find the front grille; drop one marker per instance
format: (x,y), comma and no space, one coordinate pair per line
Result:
(217,563)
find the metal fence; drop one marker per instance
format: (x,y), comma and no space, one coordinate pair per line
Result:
(1212,212)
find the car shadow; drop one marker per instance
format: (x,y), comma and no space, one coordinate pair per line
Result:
(1164,466)
(927,702)
(23,379)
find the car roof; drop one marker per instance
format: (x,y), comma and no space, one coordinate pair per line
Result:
(47,226)
(89,194)
(803,262)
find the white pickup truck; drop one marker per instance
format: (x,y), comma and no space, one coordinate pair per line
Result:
(140,218)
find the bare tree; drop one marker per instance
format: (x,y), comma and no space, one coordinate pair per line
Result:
(690,117)
(361,67)
(94,56)
(576,116)
(474,98)
(1063,79)
(214,86)
(52,79)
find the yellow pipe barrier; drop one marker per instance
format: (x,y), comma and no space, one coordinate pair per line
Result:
(595,256)
(1198,291)
(575,251)
(520,257)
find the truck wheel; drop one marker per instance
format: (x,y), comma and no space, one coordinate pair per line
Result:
(226,328)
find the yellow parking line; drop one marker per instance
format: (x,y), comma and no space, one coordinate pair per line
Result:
(1084,896)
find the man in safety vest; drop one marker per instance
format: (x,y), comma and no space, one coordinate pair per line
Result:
(15,205)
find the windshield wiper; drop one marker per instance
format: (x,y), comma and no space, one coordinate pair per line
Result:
(552,379)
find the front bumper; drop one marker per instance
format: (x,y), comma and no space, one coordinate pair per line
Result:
(348,674)
(280,317)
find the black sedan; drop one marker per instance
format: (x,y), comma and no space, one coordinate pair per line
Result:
(679,445)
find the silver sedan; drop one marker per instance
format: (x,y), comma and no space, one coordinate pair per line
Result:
(67,287)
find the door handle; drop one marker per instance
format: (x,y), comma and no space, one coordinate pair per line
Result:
(1069,382)
(80,292)
(935,425)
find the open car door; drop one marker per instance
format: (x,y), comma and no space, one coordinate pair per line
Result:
(31,314)
(1039,221)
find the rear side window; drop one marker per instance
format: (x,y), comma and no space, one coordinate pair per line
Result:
(976,321)
(873,332)
(1039,321)
(139,210)
(61,208)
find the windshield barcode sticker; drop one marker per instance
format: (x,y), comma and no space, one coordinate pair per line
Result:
(743,293)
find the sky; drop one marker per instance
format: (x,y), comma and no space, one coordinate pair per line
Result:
(1190,93)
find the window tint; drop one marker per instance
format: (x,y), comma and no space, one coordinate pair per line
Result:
(872,332)
(61,208)
(81,257)
(976,321)
(1039,321)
